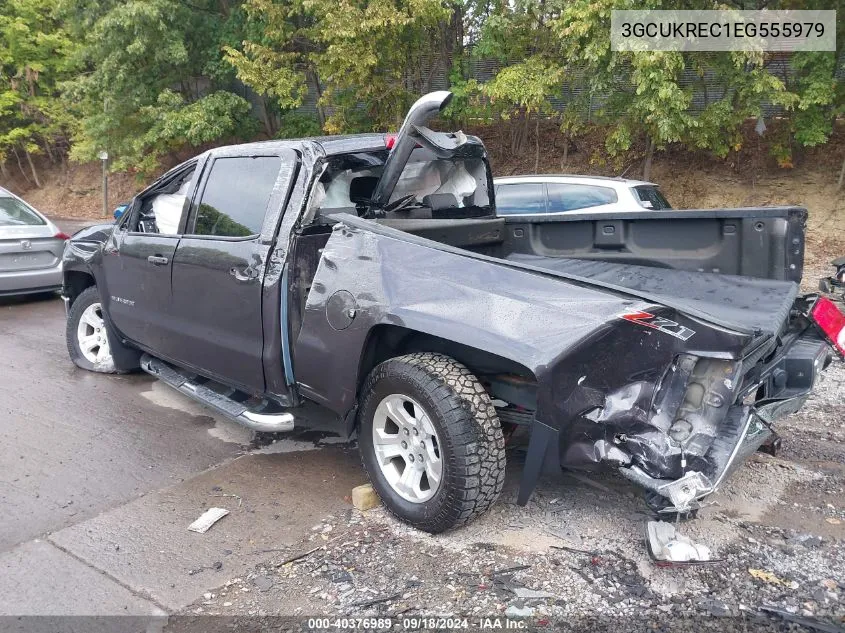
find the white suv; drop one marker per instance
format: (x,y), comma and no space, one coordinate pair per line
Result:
(543,194)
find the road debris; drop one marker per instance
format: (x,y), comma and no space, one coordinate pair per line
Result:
(515,611)
(804,621)
(666,544)
(369,603)
(365,498)
(263,583)
(227,494)
(767,577)
(300,556)
(207,519)
(526,593)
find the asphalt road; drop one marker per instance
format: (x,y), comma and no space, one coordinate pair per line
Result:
(100,475)
(72,443)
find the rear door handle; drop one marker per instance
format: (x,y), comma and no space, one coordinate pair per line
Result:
(247,274)
(158,260)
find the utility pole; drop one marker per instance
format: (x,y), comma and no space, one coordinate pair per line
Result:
(104,156)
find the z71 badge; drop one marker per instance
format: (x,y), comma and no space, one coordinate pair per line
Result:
(658,323)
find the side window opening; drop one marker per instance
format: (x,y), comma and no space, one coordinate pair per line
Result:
(161,210)
(650,197)
(520,198)
(569,197)
(237,192)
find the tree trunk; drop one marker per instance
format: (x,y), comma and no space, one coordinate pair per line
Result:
(649,154)
(537,145)
(20,166)
(565,151)
(4,171)
(50,153)
(841,176)
(526,133)
(32,167)
(265,117)
(318,91)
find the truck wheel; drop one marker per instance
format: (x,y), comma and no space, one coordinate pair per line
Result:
(430,441)
(87,334)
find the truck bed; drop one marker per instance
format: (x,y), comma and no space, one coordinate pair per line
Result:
(746,303)
(738,268)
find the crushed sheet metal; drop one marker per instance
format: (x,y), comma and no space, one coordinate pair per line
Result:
(207,519)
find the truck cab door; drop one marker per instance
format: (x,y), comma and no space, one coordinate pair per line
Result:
(137,259)
(220,264)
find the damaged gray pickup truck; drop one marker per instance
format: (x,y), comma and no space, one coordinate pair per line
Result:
(369,274)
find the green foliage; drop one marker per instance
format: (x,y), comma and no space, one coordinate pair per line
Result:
(297,125)
(172,124)
(145,78)
(526,86)
(34,56)
(271,62)
(135,53)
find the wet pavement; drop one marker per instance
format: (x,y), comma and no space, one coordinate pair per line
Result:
(102,474)
(73,443)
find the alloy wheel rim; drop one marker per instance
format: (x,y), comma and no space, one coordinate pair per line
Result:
(407,448)
(92,337)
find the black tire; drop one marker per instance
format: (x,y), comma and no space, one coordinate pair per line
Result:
(472,447)
(123,359)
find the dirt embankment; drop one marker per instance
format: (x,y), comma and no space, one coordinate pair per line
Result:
(690,180)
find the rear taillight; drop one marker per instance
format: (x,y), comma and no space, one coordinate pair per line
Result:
(62,236)
(831,321)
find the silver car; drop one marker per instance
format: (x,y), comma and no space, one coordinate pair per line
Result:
(30,248)
(544,194)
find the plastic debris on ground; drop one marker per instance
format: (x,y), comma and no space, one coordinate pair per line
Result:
(667,545)
(207,519)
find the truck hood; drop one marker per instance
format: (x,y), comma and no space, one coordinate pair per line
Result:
(94,233)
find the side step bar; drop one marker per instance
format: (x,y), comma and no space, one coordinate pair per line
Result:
(237,411)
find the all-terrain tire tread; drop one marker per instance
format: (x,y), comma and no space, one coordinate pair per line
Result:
(476,445)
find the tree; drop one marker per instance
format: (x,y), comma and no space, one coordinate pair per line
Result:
(367,60)
(35,53)
(135,54)
(524,89)
(275,59)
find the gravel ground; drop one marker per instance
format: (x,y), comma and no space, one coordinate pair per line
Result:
(575,556)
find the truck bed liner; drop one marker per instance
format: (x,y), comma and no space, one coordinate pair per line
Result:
(746,302)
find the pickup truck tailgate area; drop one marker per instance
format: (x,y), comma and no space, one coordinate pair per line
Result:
(745,303)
